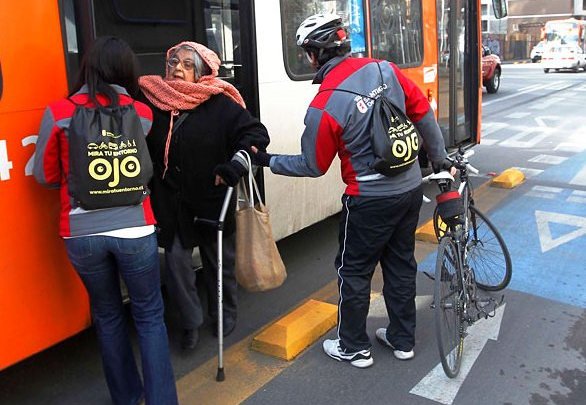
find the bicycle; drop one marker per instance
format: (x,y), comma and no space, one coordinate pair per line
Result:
(487,252)
(457,303)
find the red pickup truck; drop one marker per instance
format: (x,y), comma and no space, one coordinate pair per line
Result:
(491,70)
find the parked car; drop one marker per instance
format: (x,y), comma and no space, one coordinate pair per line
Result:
(537,52)
(558,57)
(491,70)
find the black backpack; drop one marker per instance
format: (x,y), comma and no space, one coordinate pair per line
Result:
(109,162)
(393,137)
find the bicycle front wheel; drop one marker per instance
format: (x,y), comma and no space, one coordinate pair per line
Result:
(488,255)
(448,307)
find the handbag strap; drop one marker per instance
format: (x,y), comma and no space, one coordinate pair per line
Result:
(179,121)
(252,186)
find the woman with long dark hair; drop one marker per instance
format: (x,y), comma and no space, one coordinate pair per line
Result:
(115,241)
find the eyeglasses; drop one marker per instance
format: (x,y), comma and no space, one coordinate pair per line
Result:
(187,64)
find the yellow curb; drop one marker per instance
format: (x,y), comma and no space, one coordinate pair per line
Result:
(426,233)
(287,337)
(510,178)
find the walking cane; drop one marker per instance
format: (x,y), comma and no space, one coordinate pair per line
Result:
(219,225)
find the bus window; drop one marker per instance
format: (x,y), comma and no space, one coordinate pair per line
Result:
(397,31)
(292,14)
(458,71)
(223,34)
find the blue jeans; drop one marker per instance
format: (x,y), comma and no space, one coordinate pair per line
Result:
(100,261)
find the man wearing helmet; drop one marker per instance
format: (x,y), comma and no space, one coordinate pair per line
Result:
(379,213)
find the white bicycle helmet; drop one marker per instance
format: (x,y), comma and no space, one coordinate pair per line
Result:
(322,31)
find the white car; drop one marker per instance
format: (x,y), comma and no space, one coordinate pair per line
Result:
(537,52)
(557,57)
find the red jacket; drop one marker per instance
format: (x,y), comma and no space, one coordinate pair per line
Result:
(51,169)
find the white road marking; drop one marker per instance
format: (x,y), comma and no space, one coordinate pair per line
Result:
(517,115)
(546,103)
(544,218)
(532,87)
(548,193)
(529,89)
(558,85)
(490,127)
(547,189)
(527,138)
(548,159)
(570,147)
(580,178)
(536,194)
(576,199)
(436,386)
(529,172)
(488,142)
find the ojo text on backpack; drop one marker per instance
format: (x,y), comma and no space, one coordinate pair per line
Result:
(109,162)
(393,137)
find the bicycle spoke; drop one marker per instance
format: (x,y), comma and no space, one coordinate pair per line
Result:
(488,255)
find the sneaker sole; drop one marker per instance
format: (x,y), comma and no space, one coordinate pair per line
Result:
(402,357)
(360,363)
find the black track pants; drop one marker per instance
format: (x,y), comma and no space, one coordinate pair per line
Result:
(372,230)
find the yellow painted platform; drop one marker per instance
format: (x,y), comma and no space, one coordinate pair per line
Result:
(510,178)
(426,233)
(287,337)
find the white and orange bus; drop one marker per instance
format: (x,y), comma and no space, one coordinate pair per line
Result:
(42,300)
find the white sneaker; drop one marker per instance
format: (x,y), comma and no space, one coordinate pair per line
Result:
(360,359)
(381,336)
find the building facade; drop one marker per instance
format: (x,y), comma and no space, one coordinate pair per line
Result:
(522,29)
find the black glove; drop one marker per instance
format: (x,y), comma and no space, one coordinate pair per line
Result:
(230,172)
(261,158)
(445,164)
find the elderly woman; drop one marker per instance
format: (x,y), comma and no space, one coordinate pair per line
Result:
(200,122)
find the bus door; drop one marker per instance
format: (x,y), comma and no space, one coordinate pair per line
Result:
(153,26)
(42,300)
(459,86)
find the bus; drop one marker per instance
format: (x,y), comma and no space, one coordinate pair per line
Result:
(42,301)
(565,32)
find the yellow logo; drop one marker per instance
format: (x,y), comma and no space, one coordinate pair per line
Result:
(101,169)
(110,134)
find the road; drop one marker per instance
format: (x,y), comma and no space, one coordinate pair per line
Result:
(537,350)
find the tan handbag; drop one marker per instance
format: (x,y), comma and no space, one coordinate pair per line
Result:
(259,266)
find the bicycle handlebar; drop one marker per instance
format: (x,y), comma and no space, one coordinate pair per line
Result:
(472,168)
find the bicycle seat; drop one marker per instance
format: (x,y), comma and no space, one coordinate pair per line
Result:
(441,176)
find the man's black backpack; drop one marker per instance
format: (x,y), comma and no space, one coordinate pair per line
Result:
(393,137)
(109,162)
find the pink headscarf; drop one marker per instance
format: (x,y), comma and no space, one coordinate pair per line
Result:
(170,95)
(176,95)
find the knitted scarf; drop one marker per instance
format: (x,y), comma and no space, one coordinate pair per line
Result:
(177,95)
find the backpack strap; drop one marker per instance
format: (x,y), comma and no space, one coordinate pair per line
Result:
(354,92)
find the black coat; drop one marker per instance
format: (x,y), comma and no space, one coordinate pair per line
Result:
(209,136)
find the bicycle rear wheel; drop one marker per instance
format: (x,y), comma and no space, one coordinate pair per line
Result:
(448,308)
(488,255)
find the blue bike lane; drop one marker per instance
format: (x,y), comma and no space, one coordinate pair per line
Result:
(543,223)
(544,226)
